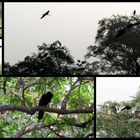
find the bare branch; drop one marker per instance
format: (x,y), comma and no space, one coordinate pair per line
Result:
(55,132)
(28,129)
(64,102)
(34,127)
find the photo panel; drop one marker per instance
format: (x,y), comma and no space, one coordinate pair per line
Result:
(118,107)
(47,107)
(0,38)
(72,38)
(0,56)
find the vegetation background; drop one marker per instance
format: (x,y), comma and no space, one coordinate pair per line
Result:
(70,113)
(0,19)
(125,124)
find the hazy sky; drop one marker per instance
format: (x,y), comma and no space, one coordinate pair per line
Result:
(73,24)
(116,88)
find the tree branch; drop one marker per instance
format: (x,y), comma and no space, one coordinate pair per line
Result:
(29,129)
(31,111)
(34,127)
(64,102)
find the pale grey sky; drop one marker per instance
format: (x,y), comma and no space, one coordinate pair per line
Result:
(116,88)
(73,24)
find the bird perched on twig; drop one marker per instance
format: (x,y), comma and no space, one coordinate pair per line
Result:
(44,101)
(45,14)
(134,13)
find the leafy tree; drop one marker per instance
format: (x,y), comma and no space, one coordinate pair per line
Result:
(125,124)
(0,19)
(51,59)
(117,48)
(70,112)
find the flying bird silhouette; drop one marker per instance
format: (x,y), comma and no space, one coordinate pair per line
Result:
(45,14)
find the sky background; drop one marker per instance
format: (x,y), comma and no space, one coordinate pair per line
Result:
(73,24)
(116,89)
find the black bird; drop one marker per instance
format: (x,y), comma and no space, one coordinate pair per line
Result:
(47,13)
(120,109)
(45,99)
(126,107)
(134,13)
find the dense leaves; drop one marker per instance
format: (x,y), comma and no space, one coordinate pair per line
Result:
(26,91)
(117,48)
(125,124)
(0,19)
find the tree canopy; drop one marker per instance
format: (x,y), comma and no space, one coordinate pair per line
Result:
(117,48)
(116,51)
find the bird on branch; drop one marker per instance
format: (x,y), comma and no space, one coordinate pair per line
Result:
(134,13)
(44,101)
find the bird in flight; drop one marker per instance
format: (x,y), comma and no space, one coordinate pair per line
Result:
(47,13)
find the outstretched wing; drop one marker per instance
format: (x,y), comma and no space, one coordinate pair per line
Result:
(47,13)
(126,107)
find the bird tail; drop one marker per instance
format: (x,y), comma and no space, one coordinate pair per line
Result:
(40,115)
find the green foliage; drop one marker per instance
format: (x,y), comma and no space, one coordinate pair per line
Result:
(0,19)
(125,124)
(33,87)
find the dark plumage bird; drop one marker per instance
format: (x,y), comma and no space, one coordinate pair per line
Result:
(126,107)
(118,109)
(134,13)
(47,13)
(44,101)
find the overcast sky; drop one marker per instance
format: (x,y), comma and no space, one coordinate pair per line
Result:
(73,24)
(116,88)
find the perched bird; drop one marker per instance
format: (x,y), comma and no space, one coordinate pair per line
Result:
(47,13)
(44,101)
(107,109)
(120,109)
(115,109)
(134,13)
(125,107)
